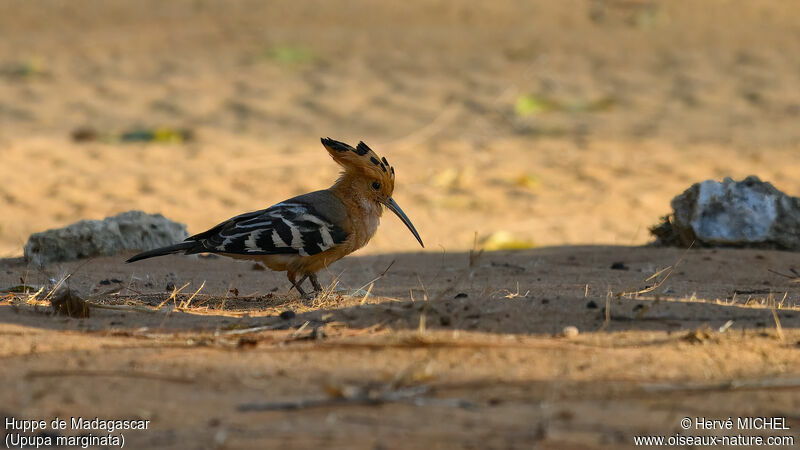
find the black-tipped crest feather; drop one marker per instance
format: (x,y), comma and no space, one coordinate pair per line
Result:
(362,149)
(336,145)
(361,159)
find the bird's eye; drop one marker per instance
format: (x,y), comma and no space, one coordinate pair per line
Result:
(376,185)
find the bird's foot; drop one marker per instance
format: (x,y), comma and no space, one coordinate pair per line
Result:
(314,282)
(309,295)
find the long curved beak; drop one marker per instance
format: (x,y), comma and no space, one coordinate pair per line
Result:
(395,208)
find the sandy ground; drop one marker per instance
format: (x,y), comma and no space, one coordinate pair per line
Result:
(480,364)
(569,125)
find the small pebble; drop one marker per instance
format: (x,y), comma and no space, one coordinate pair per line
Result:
(460,295)
(570,332)
(591,305)
(288,314)
(619,265)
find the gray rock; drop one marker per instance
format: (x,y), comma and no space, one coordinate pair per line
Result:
(131,230)
(747,213)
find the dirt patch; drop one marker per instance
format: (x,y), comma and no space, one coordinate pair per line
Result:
(483,359)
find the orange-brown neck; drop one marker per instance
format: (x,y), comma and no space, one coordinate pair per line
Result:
(363,209)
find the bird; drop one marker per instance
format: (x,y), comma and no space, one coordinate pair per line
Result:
(305,234)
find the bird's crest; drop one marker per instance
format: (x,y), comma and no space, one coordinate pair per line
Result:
(360,160)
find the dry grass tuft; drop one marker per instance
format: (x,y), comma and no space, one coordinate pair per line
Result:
(173,296)
(185,305)
(778,327)
(328,297)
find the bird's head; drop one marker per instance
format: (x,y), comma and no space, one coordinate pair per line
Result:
(373,175)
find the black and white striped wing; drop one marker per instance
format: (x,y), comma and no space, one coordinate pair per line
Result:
(285,228)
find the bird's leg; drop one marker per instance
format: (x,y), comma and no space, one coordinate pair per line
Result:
(315,282)
(296,284)
(300,282)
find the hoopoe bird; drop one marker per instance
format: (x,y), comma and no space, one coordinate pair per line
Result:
(305,234)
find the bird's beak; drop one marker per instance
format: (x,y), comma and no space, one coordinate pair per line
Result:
(395,208)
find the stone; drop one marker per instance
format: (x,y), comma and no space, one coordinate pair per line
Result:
(131,230)
(747,213)
(570,332)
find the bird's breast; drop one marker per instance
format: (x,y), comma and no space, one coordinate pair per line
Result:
(367,223)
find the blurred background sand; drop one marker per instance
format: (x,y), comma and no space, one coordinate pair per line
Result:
(564,122)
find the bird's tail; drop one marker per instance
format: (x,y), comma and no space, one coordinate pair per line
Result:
(163,251)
